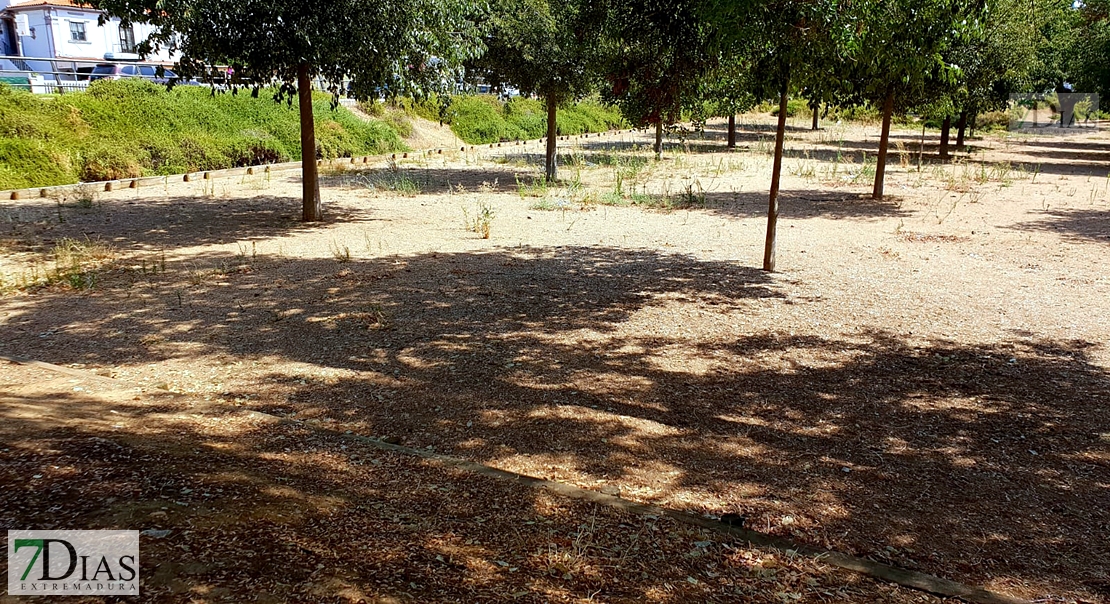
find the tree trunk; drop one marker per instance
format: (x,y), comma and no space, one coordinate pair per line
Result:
(659,140)
(816,107)
(961,127)
(884,143)
(945,134)
(732,131)
(773,198)
(552,139)
(921,147)
(312,210)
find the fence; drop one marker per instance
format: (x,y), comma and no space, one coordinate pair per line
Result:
(45,75)
(53,75)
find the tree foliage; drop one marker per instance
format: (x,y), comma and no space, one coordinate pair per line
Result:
(780,42)
(901,59)
(545,47)
(993,60)
(656,60)
(397,46)
(1092,48)
(361,47)
(1056,25)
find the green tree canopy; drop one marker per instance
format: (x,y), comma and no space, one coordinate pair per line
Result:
(901,55)
(1092,49)
(781,42)
(378,46)
(656,61)
(990,63)
(550,48)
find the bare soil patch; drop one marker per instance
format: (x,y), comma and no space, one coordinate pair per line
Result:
(925,382)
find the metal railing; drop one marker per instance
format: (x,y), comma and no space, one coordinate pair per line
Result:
(56,75)
(59,75)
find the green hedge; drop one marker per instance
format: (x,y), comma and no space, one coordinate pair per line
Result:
(482,119)
(127,128)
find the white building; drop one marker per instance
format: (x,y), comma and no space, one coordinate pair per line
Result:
(60,29)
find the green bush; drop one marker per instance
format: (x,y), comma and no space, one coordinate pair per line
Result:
(866,113)
(800,108)
(794,108)
(483,119)
(434,109)
(127,128)
(588,116)
(109,161)
(479,120)
(31,163)
(992,121)
(528,115)
(394,116)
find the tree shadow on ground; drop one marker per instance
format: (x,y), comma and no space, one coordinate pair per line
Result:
(289,514)
(146,223)
(801,204)
(1068,144)
(414,180)
(973,461)
(1073,156)
(1064,157)
(1073,224)
(719,130)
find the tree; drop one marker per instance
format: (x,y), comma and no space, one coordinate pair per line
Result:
(1057,27)
(1091,66)
(545,47)
(656,61)
(992,63)
(376,45)
(781,40)
(902,44)
(829,83)
(726,91)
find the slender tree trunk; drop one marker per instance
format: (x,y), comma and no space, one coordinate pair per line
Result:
(945,134)
(310,188)
(552,139)
(884,143)
(659,140)
(921,147)
(773,198)
(732,131)
(961,127)
(816,107)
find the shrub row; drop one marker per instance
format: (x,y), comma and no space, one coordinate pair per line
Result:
(130,128)
(482,119)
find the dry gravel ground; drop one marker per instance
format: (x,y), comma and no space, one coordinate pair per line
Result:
(259,511)
(925,381)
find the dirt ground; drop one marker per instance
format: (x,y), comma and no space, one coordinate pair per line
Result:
(924,381)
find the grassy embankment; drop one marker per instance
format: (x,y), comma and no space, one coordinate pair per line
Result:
(483,119)
(132,128)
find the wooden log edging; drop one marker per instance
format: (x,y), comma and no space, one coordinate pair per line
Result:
(146,181)
(877,570)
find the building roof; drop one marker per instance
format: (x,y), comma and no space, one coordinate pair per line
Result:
(31,4)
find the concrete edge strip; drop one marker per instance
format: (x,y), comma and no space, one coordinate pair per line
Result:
(893,574)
